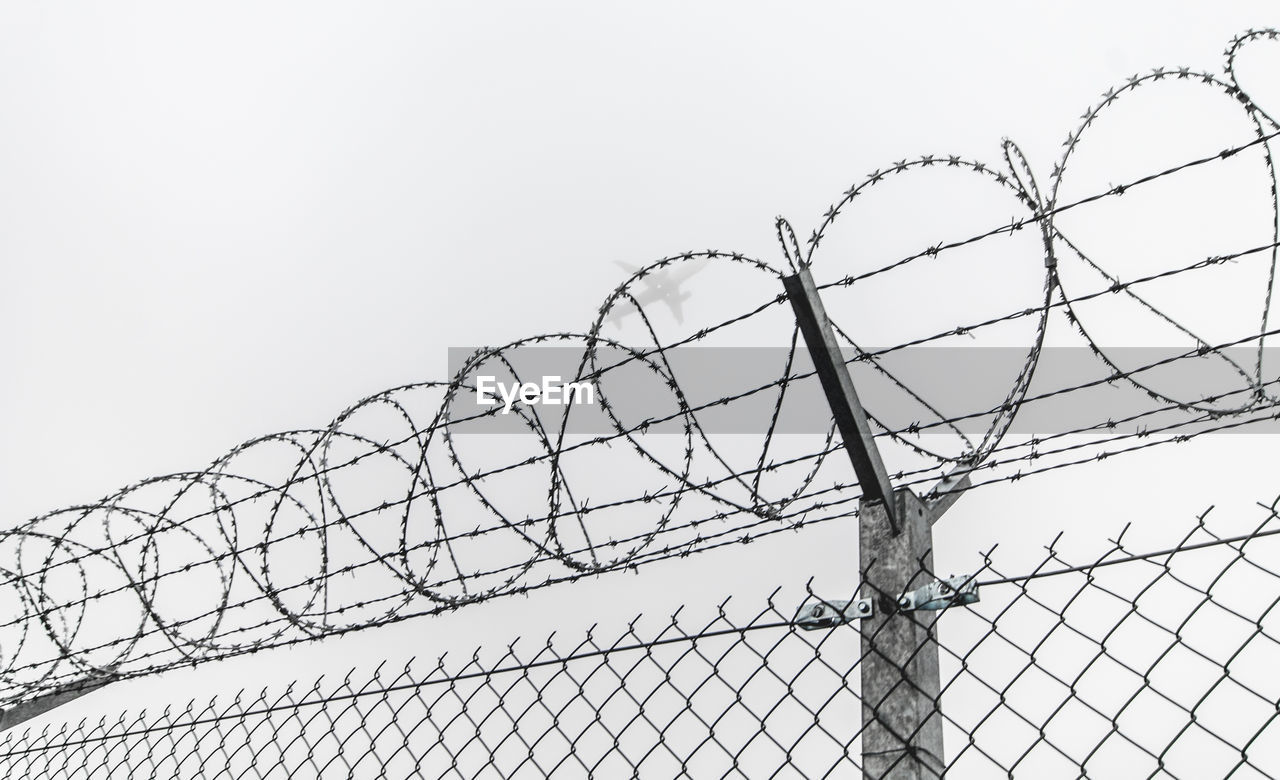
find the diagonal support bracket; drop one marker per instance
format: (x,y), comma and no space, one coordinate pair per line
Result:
(851,419)
(24,711)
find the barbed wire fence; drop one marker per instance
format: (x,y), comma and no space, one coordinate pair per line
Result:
(1138,663)
(391,512)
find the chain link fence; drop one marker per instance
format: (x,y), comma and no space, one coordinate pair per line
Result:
(1137,664)
(1140,663)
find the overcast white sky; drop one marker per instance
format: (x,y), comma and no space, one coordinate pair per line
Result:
(222,220)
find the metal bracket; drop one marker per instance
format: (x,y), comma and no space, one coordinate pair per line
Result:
(948,491)
(829,614)
(846,409)
(940,594)
(23,711)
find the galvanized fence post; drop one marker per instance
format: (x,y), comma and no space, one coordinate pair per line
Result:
(901,726)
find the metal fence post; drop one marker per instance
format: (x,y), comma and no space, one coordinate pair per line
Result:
(901,727)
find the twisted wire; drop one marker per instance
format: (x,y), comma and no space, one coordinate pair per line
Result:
(242,532)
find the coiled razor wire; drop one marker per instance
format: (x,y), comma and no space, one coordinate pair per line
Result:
(390,512)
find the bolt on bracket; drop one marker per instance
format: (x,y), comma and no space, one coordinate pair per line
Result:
(836,612)
(940,594)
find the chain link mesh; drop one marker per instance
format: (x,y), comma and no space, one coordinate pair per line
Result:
(1137,664)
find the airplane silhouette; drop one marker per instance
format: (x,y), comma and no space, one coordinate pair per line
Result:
(662,285)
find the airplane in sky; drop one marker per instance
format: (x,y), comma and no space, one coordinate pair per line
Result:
(661,285)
